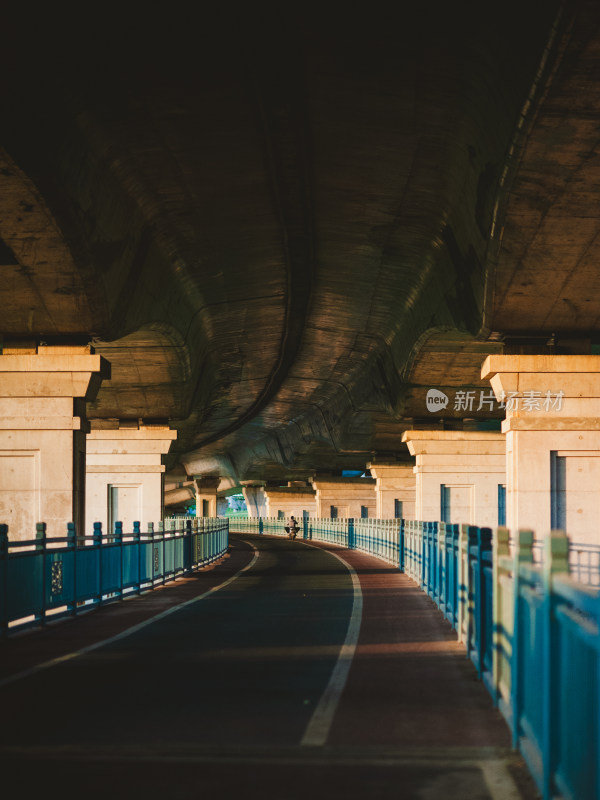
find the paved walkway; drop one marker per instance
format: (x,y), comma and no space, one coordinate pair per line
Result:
(287,670)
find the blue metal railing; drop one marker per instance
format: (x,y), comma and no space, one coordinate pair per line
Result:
(530,626)
(44,577)
(528,614)
(381,538)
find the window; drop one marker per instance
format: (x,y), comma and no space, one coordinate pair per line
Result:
(444,503)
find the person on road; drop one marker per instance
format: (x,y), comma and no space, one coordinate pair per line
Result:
(293,528)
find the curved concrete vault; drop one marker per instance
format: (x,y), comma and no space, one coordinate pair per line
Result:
(282,228)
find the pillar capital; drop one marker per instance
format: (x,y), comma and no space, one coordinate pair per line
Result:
(131,440)
(562,389)
(429,442)
(53,372)
(207,483)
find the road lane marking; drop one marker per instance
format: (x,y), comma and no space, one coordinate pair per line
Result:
(317,730)
(134,629)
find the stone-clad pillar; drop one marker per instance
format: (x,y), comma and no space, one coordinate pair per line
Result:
(125,476)
(43,430)
(460,475)
(395,489)
(206,495)
(256,499)
(552,428)
(346,497)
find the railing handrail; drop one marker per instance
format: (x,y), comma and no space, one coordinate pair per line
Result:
(61,575)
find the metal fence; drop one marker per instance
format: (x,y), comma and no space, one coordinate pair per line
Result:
(584,560)
(528,614)
(46,577)
(379,537)
(527,611)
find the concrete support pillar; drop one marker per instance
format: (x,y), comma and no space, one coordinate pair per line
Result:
(286,501)
(43,436)
(179,495)
(395,489)
(345,497)
(125,476)
(460,475)
(256,499)
(222,506)
(206,495)
(552,428)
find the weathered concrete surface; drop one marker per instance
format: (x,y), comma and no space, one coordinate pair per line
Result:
(281,228)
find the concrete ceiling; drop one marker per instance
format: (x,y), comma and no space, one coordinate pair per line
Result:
(282,228)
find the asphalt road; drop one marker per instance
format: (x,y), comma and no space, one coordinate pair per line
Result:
(250,680)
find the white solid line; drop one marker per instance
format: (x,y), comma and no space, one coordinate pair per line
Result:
(317,730)
(69,656)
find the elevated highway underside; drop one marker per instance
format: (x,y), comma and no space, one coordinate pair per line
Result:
(284,672)
(281,227)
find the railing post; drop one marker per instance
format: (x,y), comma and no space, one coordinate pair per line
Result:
(523,555)
(473,622)
(4,579)
(97,545)
(425,558)
(187,547)
(484,616)
(41,545)
(441,568)
(463,584)
(435,563)
(423,532)
(72,544)
(156,548)
(401,528)
(351,534)
(261,525)
(556,559)
(138,544)
(500,633)
(119,542)
(195,547)
(452,566)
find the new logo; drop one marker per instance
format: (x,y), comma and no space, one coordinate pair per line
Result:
(436,400)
